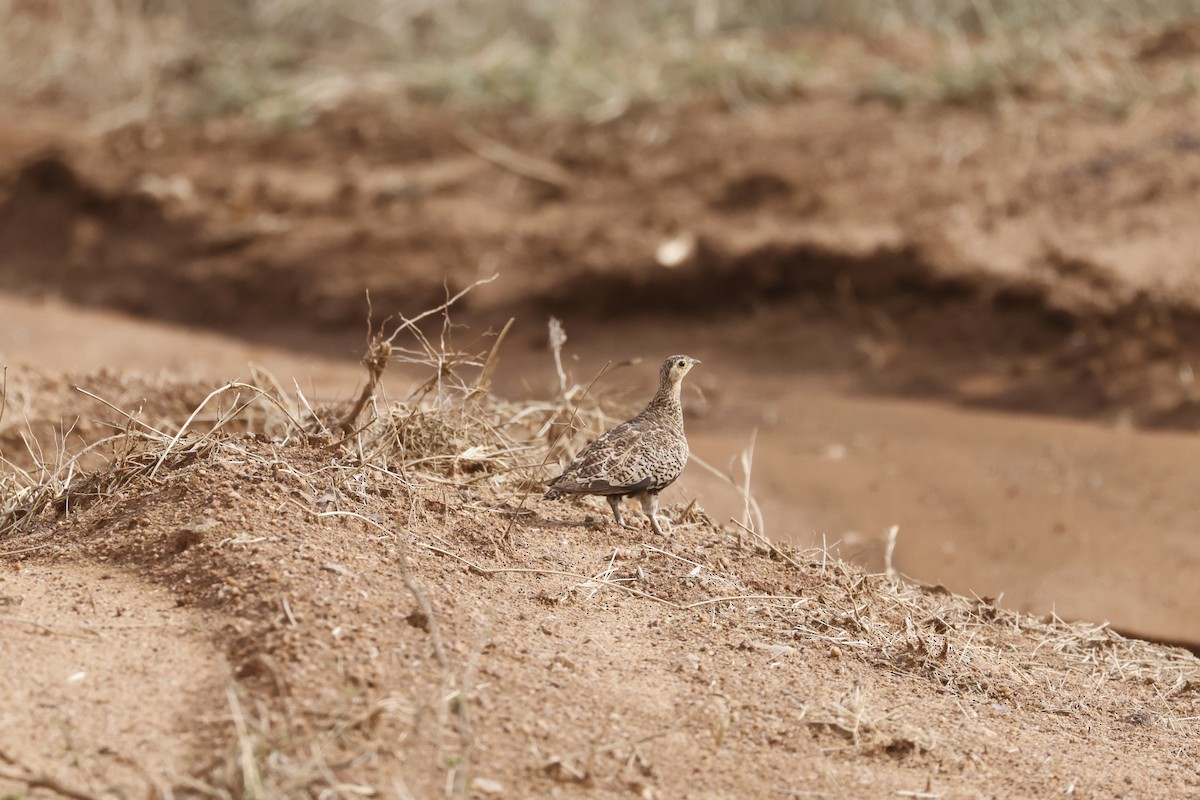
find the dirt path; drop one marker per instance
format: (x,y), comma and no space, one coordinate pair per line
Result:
(104,680)
(55,336)
(1054,515)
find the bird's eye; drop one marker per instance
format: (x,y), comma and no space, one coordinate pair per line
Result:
(681,364)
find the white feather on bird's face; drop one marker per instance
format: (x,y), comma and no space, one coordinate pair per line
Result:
(675,367)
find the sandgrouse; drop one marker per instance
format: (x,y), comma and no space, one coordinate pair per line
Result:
(637,458)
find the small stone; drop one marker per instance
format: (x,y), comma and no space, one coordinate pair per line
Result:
(487,786)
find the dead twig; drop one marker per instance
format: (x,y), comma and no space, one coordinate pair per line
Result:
(409,323)
(379,350)
(483,382)
(504,156)
(40,780)
(558,337)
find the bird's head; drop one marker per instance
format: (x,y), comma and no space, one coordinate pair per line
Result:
(675,367)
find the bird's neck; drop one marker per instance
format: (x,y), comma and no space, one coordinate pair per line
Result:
(666,402)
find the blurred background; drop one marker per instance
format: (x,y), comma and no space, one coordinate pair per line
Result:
(279,58)
(939,257)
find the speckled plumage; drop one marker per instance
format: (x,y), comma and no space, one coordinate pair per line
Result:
(640,457)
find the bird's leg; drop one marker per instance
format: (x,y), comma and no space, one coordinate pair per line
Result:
(650,509)
(614,500)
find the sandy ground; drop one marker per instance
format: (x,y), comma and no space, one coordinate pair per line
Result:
(104,672)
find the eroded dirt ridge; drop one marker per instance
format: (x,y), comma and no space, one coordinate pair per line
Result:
(155,233)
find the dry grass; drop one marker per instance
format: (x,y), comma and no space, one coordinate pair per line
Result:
(449,430)
(285,60)
(867,727)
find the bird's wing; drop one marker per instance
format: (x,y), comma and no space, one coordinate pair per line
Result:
(613,464)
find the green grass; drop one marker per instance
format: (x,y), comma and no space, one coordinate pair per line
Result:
(130,59)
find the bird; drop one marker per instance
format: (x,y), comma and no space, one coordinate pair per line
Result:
(638,458)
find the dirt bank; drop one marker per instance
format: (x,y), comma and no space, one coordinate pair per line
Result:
(1026,260)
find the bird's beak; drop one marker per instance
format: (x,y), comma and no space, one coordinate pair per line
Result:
(695,361)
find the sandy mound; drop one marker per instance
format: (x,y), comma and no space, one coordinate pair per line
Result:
(400,616)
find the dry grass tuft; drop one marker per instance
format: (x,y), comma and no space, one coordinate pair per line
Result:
(853,715)
(136,449)
(972,646)
(449,430)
